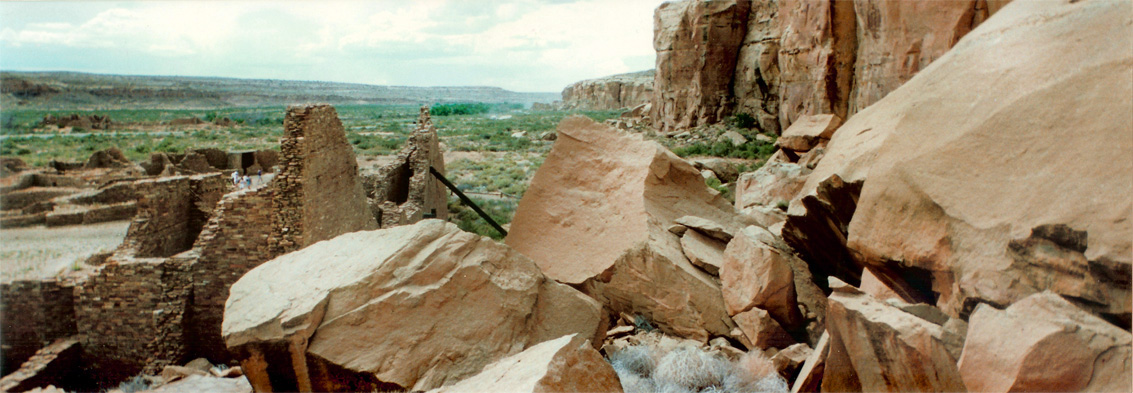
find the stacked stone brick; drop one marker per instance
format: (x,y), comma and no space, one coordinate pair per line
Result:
(58,364)
(33,314)
(404,191)
(159,298)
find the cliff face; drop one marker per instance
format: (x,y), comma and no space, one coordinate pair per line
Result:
(778,60)
(611,92)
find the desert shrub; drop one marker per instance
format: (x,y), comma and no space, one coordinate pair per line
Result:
(751,150)
(741,120)
(692,370)
(136,384)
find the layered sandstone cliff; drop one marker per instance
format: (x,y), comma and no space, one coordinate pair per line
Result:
(611,92)
(778,60)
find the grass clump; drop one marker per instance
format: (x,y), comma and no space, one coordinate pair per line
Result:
(643,368)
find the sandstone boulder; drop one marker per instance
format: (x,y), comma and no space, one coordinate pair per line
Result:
(559,365)
(1041,200)
(808,131)
(597,215)
(761,330)
(1044,343)
(703,251)
(411,307)
(773,184)
(755,275)
(886,349)
(810,375)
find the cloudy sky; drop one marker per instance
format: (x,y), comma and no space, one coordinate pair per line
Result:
(522,45)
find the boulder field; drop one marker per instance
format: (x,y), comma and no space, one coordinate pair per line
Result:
(950,211)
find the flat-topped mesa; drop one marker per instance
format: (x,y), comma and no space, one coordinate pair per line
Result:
(318,194)
(610,92)
(404,191)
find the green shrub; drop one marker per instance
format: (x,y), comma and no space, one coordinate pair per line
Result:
(741,120)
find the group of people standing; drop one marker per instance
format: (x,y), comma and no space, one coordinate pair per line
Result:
(242,182)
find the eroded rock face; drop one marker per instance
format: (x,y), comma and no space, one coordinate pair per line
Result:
(885,349)
(1035,205)
(816,58)
(1044,343)
(597,215)
(756,82)
(360,311)
(692,84)
(560,365)
(611,92)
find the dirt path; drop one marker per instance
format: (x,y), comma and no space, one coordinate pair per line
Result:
(37,252)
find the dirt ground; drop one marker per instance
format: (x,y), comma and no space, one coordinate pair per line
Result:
(36,252)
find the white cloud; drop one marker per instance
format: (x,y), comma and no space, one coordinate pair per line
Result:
(531,45)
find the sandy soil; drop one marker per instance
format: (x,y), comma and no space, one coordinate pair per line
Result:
(36,252)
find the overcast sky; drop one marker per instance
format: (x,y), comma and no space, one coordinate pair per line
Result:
(521,45)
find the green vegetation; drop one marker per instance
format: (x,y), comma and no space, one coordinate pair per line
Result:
(474,108)
(500,210)
(741,120)
(753,150)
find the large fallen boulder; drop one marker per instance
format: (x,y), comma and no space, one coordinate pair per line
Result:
(597,214)
(1044,343)
(885,349)
(411,307)
(559,365)
(1006,167)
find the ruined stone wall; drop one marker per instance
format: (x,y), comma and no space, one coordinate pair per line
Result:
(33,314)
(170,214)
(318,194)
(404,191)
(234,241)
(130,314)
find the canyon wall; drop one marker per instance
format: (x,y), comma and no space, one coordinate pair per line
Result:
(778,60)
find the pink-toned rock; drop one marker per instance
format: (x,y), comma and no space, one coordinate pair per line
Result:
(597,215)
(756,82)
(772,184)
(790,359)
(816,58)
(886,349)
(898,38)
(693,78)
(560,365)
(703,251)
(761,330)
(873,286)
(810,375)
(442,302)
(1035,205)
(808,131)
(755,275)
(1044,343)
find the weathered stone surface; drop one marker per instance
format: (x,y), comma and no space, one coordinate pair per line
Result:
(771,185)
(761,330)
(559,365)
(1035,205)
(693,80)
(810,375)
(331,316)
(612,92)
(873,286)
(319,194)
(816,58)
(1044,343)
(405,191)
(756,82)
(755,275)
(886,349)
(719,230)
(597,215)
(790,359)
(109,158)
(896,39)
(703,251)
(808,131)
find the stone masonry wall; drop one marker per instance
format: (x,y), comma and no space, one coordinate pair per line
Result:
(404,191)
(170,214)
(318,194)
(33,314)
(130,314)
(234,241)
